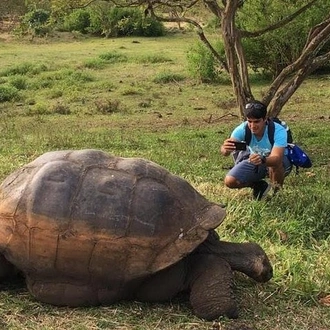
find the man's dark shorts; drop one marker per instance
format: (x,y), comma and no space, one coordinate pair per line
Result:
(245,172)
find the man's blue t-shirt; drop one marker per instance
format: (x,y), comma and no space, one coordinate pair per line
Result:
(262,147)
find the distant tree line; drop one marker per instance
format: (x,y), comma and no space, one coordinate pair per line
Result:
(99,18)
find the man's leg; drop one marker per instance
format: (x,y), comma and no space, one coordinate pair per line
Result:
(244,174)
(277,174)
(233,183)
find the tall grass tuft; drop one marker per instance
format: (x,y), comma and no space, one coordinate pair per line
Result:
(25,68)
(8,93)
(168,77)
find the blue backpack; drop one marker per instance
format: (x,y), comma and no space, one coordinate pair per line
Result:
(296,155)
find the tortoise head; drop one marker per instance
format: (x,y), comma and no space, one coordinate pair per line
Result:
(248,258)
(254,262)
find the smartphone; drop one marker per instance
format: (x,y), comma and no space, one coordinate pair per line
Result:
(240,145)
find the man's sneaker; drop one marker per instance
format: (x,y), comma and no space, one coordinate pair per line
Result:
(261,189)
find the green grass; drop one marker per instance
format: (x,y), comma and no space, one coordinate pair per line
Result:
(115,96)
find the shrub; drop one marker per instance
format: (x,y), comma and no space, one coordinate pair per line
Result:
(118,22)
(61,109)
(94,63)
(75,77)
(107,106)
(39,109)
(202,65)
(153,58)
(125,21)
(55,93)
(275,50)
(78,20)
(24,68)
(151,27)
(36,22)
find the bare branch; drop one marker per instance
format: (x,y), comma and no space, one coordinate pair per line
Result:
(305,59)
(319,61)
(88,3)
(214,7)
(316,30)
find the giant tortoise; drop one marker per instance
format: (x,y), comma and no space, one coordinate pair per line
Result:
(88,228)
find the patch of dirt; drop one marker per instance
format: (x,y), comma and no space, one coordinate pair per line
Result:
(6,37)
(7,25)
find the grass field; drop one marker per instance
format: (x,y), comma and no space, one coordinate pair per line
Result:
(134,97)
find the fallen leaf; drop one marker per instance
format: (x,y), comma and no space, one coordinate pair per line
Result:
(325,301)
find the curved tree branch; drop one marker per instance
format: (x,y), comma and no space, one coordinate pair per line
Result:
(306,63)
(279,24)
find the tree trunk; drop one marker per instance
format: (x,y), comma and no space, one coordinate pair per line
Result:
(235,57)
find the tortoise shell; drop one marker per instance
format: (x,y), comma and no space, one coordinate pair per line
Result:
(86,214)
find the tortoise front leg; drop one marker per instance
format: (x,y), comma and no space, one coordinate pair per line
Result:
(211,294)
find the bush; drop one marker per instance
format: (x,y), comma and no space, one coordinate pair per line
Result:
(24,68)
(107,106)
(78,20)
(119,22)
(202,64)
(113,57)
(36,22)
(151,27)
(153,58)
(61,109)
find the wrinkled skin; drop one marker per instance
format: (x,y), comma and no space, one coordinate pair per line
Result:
(87,228)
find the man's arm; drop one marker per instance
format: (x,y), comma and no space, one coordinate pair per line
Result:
(237,135)
(273,160)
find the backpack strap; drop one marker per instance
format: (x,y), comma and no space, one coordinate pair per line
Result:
(248,134)
(271,132)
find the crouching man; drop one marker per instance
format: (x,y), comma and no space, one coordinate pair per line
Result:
(261,158)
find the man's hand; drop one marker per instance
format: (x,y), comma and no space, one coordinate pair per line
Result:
(228,146)
(256,159)
(273,160)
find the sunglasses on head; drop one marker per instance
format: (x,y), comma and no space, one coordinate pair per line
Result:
(256,106)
